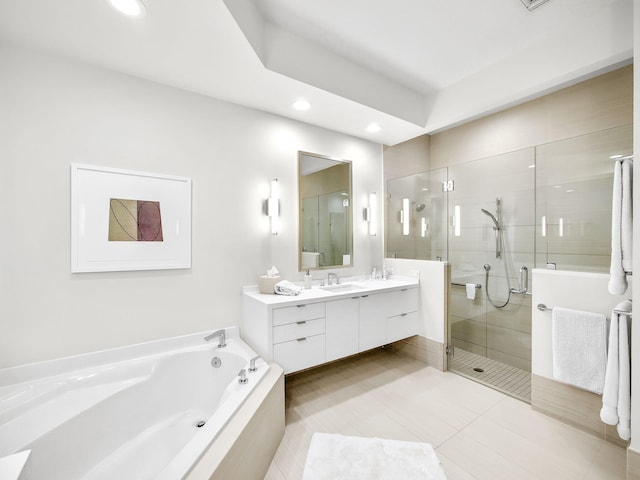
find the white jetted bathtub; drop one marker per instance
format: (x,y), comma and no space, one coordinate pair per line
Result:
(147,411)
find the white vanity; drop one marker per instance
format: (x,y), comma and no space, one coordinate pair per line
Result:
(327,323)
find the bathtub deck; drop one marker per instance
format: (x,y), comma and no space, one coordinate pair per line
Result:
(477,432)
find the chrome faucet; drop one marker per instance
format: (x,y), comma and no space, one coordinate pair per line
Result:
(242,377)
(332,279)
(218,333)
(252,364)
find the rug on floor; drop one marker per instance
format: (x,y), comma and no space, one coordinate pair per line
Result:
(339,457)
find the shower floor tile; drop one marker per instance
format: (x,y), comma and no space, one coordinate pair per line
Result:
(505,378)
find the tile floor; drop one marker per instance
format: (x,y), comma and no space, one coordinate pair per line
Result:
(506,378)
(478,433)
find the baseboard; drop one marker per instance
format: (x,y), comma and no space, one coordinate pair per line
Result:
(574,406)
(633,464)
(422,349)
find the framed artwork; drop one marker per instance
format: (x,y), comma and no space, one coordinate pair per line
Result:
(126,220)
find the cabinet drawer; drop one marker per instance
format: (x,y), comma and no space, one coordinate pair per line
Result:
(299,329)
(298,355)
(402,326)
(402,301)
(282,316)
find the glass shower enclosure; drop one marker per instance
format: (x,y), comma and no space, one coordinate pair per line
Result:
(495,219)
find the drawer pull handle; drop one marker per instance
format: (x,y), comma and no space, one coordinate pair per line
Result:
(404,289)
(365,296)
(301,322)
(300,306)
(403,314)
(301,339)
(354,298)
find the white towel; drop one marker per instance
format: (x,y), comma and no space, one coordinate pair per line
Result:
(285,287)
(616,397)
(579,348)
(471,291)
(621,226)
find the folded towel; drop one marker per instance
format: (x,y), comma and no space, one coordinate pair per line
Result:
(616,397)
(285,287)
(579,348)
(471,291)
(621,226)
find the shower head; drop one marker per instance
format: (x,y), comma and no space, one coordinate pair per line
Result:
(490,215)
(420,207)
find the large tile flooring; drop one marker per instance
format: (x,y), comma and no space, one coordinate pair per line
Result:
(478,433)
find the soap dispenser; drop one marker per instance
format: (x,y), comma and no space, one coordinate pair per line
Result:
(307,280)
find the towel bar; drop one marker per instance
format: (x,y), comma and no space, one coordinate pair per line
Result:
(543,308)
(464,284)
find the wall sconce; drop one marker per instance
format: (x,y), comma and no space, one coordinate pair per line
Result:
(273,206)
(456,220)
(371,214)
(405,216)
(423,227)
(544,226)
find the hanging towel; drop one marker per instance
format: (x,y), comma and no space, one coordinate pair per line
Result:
(621,226)
(616,397)
(579,348)
(471,291)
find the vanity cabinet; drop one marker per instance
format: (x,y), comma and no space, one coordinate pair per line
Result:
(342,328)
(299,334)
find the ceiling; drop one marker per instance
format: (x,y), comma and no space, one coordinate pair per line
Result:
(417,69)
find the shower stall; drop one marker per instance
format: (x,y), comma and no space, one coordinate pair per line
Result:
(495,219)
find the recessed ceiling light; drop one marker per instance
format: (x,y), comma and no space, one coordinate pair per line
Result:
(131,8)
(301,105)
(373,128)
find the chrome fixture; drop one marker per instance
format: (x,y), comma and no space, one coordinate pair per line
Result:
(243,377)
(332,279)
(524,282)
(252,364)
(487,267)
(498,226)
(218,333)
(216,362)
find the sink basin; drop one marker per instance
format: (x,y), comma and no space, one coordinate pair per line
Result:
(341,287)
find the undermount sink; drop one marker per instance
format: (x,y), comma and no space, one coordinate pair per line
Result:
(341,287)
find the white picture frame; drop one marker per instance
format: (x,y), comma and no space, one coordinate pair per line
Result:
(93,248)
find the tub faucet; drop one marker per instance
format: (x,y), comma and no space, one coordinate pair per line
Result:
(332,279)
(219,333)
(252,364)
(243,377)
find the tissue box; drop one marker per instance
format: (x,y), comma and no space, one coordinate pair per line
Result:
(266,284)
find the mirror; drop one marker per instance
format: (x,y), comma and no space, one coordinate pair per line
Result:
(325,215)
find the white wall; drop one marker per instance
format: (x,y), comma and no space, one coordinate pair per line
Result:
(54,112)
(635,339)
(433,292)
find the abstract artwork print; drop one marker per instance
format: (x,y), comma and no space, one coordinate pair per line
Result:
(134,221)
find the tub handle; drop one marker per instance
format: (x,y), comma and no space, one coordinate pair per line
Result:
(243,377)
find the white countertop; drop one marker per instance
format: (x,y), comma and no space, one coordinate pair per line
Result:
(348,287)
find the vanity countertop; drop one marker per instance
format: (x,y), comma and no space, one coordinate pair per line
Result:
(348,287)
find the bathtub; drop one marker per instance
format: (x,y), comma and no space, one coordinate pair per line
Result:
(148,411)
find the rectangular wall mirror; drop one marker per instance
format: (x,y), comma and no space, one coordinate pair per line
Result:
(325,215)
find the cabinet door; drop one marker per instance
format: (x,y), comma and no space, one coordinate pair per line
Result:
(342,328)
(299,354)
(372,321)
(402,326)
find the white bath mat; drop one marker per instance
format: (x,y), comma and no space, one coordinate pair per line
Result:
(339,457)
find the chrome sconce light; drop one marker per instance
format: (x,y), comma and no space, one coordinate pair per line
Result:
(273,207)
(371,214)
(405,217)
